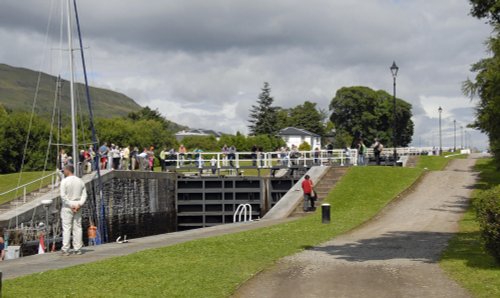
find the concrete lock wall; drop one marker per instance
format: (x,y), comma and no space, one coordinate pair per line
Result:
(137,204)
(140,204)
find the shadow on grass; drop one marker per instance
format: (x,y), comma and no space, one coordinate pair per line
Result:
(488,176)
(468,248)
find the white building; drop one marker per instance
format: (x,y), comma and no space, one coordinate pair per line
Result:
(296,136)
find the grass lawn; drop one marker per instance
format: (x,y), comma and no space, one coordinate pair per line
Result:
(215,267)
(9,181)
(465,259)
(436,163)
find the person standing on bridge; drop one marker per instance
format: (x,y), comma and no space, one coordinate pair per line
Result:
(307,188)
(73,196)
(377,149)
(163,157)
(103,153)
(361,147)
(2,246)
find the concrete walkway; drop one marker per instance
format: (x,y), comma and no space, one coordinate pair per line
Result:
(45,262)
(394,255)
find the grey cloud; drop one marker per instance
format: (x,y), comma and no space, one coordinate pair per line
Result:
(202,55)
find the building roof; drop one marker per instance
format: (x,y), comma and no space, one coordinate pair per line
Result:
(199,132)
(294,131)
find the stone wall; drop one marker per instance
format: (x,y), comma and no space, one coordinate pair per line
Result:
(136,204)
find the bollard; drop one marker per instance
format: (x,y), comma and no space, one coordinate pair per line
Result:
(0,283)
(325,213)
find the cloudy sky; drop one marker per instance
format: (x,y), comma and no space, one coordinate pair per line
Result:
(202,63)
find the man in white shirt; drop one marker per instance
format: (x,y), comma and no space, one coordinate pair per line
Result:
(73,196)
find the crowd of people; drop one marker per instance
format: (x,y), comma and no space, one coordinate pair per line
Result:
(111,157)
(114,157)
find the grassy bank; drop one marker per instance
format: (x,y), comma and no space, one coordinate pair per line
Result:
(10,181)
(436,163)
(465,259)
(214,267)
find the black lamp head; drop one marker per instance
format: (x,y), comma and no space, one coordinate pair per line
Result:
(394,69)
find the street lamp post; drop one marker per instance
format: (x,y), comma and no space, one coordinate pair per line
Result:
(466,141)
(454,135)
(394,70)
(440,110)
(462,137)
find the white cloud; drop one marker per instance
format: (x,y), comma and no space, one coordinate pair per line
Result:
(202,63)
(431,105)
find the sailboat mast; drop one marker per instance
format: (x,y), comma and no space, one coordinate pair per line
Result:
(72,92)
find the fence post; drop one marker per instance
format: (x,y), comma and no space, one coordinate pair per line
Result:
(325,213)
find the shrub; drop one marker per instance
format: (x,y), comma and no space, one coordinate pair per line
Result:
(304,146)
(488,211)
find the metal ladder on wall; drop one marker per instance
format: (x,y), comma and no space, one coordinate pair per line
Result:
(245,211)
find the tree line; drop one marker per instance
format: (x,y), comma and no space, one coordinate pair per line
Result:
(354,112)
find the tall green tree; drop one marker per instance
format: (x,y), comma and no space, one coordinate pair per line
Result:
(486,9)
(147,113)
(361,111)
(486,84)
(15,129)
(3,118)
(283,118)
(140,133)
(263,115)
(306,116)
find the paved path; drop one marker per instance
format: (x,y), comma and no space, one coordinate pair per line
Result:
(394,255)
(45,262)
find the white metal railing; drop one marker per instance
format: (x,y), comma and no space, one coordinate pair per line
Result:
(245,210)
(219,160)
(286,159)
(401,151)
(53,179)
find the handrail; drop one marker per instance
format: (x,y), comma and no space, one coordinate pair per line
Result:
(242,210)
(402,151)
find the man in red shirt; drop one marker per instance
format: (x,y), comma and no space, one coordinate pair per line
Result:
(307,187)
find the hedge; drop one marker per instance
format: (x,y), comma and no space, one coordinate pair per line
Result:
(488,211)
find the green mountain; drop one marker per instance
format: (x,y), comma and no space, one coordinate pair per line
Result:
(18,85)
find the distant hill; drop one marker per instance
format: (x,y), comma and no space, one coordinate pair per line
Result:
(17,90)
